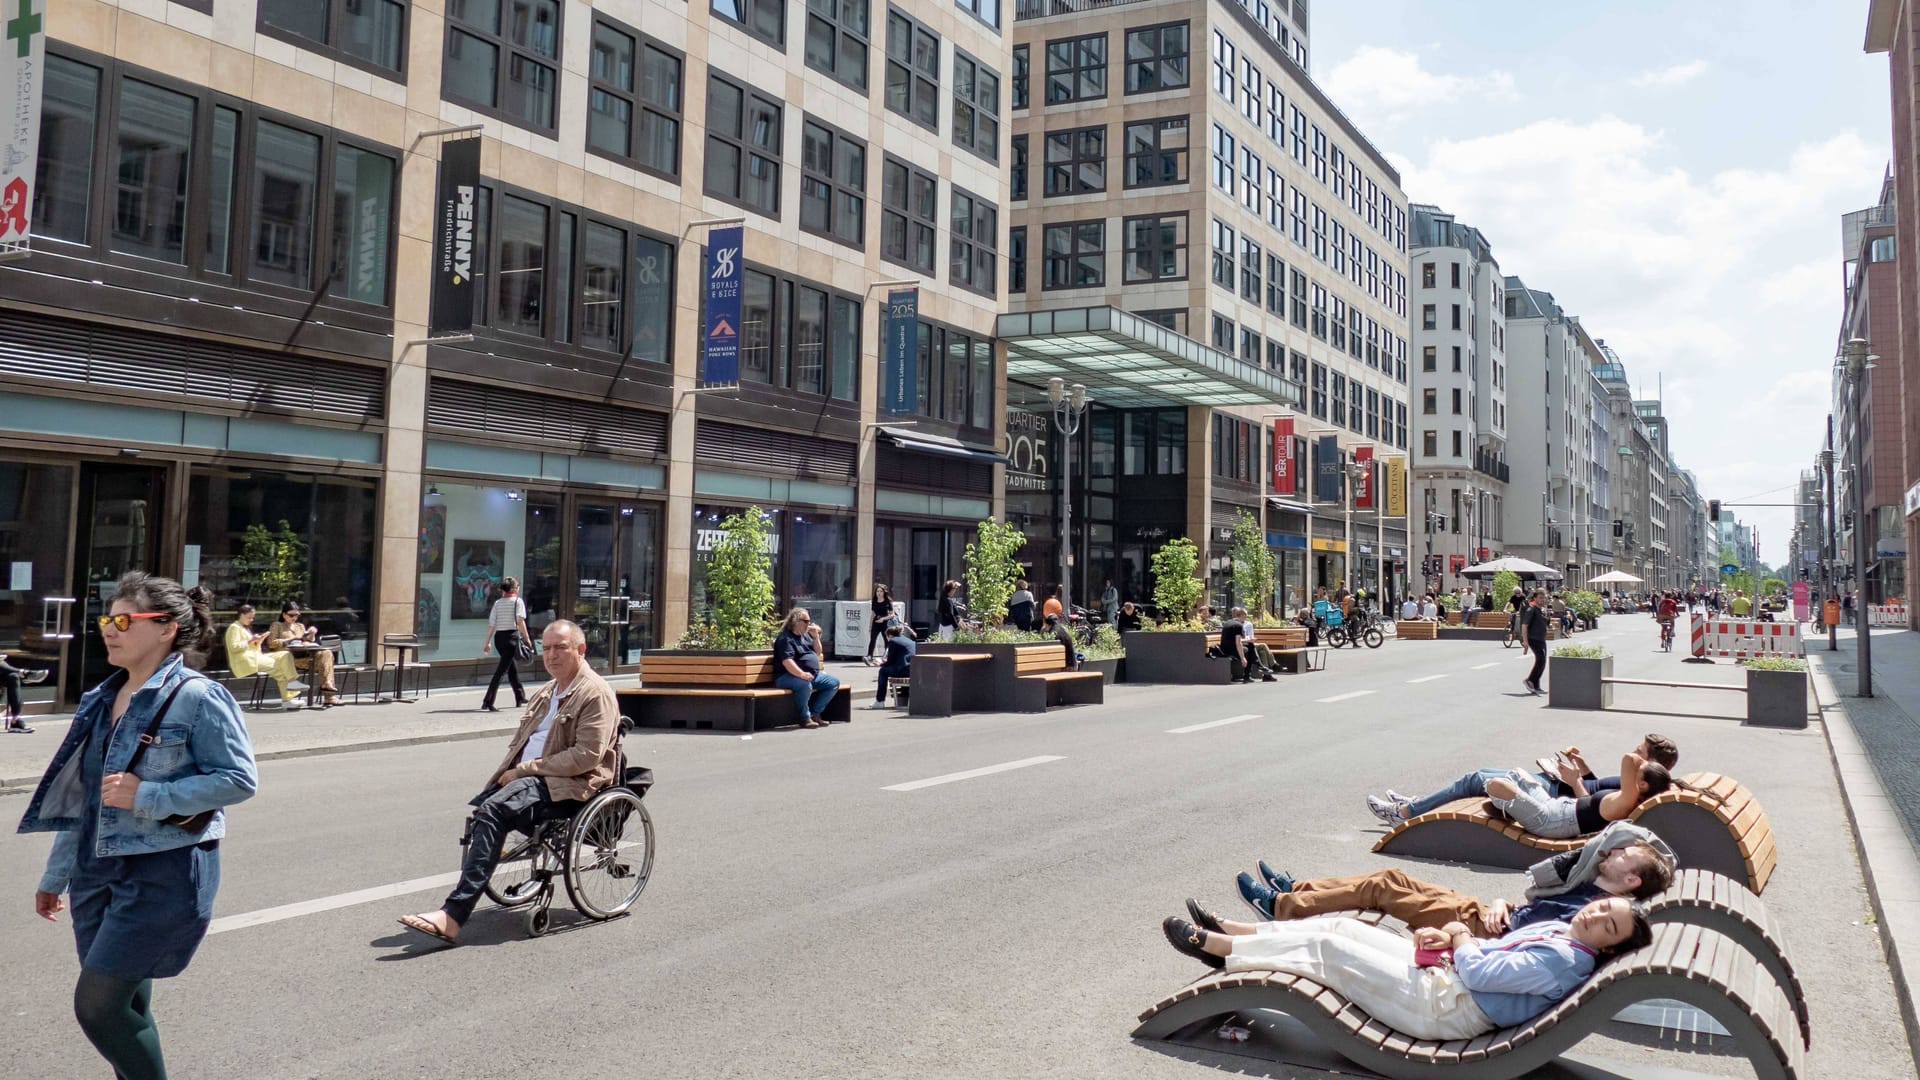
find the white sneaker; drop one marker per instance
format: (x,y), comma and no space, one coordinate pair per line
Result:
(877,705)
(296,685)
(1389,811)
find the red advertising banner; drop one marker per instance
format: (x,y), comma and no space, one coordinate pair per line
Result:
(1363,487)
(1456,563)
(1283,456)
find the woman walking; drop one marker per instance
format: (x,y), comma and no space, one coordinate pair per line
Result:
(880,613)
(506,629)
(165,747)
(947,614)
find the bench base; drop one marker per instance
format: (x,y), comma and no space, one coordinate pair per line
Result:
(746,709)
(943,685)
(1038,693)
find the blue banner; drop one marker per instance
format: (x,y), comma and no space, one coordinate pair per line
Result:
(1326,469)
(722,332)
(898,383)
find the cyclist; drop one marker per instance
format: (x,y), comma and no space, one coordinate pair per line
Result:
(1667,612)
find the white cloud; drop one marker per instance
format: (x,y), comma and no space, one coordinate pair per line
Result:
(1377,85)
(1669,77)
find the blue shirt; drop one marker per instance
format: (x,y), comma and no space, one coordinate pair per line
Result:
(900,649)
(1522,974)
(1554,908)
(797,648)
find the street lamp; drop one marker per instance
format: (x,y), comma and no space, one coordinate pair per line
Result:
(1355,472)
(1856,360)
(1069,406)
(1826,550)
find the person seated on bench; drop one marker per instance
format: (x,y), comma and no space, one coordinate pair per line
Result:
(1065,637)
(1395,808)
(1489,984)
(244,657)
(1409,609)
(1236,641)
(796,661)
(566,748)
(1624,860)
(899,662)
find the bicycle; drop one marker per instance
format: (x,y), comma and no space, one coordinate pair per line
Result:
(1666,635)
(1363,627)
(1513,632)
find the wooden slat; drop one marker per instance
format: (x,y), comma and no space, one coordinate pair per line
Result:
(692,691)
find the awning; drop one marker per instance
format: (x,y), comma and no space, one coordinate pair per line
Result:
(1289,505)
(908,439)
(1127,362)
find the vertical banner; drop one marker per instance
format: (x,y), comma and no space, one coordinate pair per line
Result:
(1396,487)
(721,334)
(1363,487)
(1283,456)
(898,378)
(23,51)
(450,305)
(1326,470)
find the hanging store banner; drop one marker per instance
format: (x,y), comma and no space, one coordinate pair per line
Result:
(1326,470)
(1396,486)
(450,305)
(721,366)
(1363,487)
(1283,456)
(898,383)
(23,52)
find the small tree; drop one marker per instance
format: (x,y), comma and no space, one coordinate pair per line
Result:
(1253,569)
(739,584)
(1504,582)
(992,570)
(275,562)
(1177,587)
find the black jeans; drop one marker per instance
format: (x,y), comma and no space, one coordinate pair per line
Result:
(891,671)
(1539,650)
(10,682)
(500,811)
(875,632)
(503,643)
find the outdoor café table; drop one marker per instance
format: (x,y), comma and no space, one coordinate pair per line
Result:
(305,650)
(400,649)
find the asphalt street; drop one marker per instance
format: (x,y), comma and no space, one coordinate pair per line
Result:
(816,910)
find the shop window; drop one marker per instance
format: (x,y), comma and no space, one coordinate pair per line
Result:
(837,40)
(833,183)
(913,70)
(1155,248)
(764,19)
(976,106)
(286,182)
(908,197)
(1156,152)
(1075,254)
(973,262)
(1157,58)
(154,145)
(366,33)
(633,102)
(471,538)
(743,146)
(1076,161)
(503,59)
(1077,69)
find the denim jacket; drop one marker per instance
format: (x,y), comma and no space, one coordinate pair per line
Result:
(201,759)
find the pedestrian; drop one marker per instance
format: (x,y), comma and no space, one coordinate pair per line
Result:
(1110,602)
(1129,618)
(134,797)
(1052,605)
(1533,625)
(506,631)
(796,658)
(1020,607)
(946,615)
(880,617)
(899,661)
(1058,628)
(10,680)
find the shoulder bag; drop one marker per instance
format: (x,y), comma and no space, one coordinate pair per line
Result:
(197,822)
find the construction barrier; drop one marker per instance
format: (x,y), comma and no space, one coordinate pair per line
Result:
(1742,638)
(1886,615)
(1699,649)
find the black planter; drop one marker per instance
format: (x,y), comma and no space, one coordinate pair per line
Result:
(1174,656)
(1109,669)
(1577,682)
(1777,698)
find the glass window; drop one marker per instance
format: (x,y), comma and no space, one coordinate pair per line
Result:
(362,213)
(1075,254)
(1156,152)
(982,383)
(63,176)
(368,30)
(652,298)
(913,70)
(603,261)
(1155,248)
(1076,161)
(987,11)
(154,145)
(837,39)
(1017,260)
(764,19)
(743,146)
(756,327)
(1170,442)
(286,180)
(563,255)
(844,341)
(833,183)
(504,61)
(523,263)
(976,106)
(1022,65)
(1017,175)
(1157,58)
(1223,253)
(809,334)
(973,258)
(1077,69)
(908,197)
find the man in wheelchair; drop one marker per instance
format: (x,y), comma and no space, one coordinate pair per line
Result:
(567,748)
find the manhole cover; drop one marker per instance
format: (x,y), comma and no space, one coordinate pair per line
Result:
(1850,668)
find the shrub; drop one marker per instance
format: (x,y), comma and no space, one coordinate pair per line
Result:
(1582,652)
(698,635)
(1504,582)
(1106,644)
(739,585)
(1776,663)
(992,569)
(1253,569)
(1584,603)
(1176,586)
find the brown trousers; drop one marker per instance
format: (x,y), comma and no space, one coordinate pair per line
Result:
(319,664)
(1414,902)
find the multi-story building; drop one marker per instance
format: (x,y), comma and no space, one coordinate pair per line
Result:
(1459,392)
(218,354)
(1631,469)
(1202,239)
(1660,511)
(1872,455)
(1548,363)
(1601,541)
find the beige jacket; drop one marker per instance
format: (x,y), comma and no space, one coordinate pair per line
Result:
(584,745)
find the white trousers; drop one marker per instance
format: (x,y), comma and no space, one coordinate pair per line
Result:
(1371,967)
(946,633)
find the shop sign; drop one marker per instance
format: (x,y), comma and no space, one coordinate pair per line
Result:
(450,304)
(1323,544)
(722,332)
(1913,500)
(1026,450)
(1363,487)
(706,540)
(1396,487)
(1456,563)
(1147,532)
(23,46)
(1283,455)
(1286,540)
(898,377)
(1327,466)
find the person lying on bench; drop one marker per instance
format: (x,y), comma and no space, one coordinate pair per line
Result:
(1625,860)
(1469,985)
(1237,641)
(1522,797)
(1395,808)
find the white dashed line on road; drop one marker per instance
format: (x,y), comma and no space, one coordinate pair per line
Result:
(1212,724)
(916,785)
(1342,697)
(330,903)
(1424,678)
(1483,667)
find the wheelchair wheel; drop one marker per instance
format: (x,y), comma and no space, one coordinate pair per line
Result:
(513,883)
(609,854)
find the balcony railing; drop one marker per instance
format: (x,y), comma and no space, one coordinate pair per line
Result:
(1040,9)
(1489,465)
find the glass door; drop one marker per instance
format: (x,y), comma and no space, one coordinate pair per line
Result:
(638,580)
(36,510)
(615,571)
(593,581)
(119,531)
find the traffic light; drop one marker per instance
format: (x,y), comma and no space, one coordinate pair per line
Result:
(1619,528)
(1713,510)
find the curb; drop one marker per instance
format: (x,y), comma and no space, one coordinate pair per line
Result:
(1891,858)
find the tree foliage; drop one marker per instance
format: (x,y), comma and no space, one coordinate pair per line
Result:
(275,563)
(992,569)
(1504,582)
(1253,568)
(1177,587)
(740,583)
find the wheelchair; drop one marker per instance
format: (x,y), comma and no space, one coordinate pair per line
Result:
(600,849)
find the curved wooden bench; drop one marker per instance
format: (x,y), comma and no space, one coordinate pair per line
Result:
(1690,964)
(1713,823)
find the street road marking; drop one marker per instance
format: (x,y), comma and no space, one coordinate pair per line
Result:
(916,785)
(329,903)
(1424,678)
(1483,667)
(1343,697)
(1212,724)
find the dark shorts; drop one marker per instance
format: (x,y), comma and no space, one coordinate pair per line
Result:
(142,916)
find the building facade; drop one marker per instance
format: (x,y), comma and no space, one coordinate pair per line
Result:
(1549,361)
(1873,453)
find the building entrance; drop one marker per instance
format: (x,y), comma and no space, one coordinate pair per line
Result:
(119,517)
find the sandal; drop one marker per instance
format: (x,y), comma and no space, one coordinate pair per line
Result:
(1190,939)
(812,724)
(421,926)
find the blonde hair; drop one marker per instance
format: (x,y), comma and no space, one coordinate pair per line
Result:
(792,620)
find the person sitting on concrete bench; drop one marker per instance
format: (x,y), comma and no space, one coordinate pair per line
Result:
(1237,642)
(1394,808)
(899,662)
(1624,860)
(1489,984)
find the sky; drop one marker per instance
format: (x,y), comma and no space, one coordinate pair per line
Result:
(1673,173)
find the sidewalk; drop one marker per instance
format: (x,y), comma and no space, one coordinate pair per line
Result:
(1875,744)
(451,713)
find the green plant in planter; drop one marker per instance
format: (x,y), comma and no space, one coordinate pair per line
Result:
(740,584)
(992,570)
(698,635)
(276,562)
(1776,663)
(1253,569)
(1106,644)
(1582,652)
(1177,588)
(1584,603)
(1504,582)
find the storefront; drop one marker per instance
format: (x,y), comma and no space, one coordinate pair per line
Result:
(811,560)
(1329,559)
(1290,585)
(931,494)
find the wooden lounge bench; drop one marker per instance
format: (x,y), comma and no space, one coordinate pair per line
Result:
(1281,637)
(1711,823)
(715,691)
(1041,680)
(1492,620)
(945,683)
(1690,964)
(1416,630)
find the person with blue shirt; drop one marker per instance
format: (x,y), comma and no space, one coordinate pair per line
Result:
(796,662)
(1477,986)
(134,797)
(899,662)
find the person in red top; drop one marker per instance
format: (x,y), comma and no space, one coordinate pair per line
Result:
(1668,611)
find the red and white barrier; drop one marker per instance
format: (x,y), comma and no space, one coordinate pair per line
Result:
(1886,615)
(1699,649)
(1743,638)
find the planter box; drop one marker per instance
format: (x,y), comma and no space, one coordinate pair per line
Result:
(1777,698)
(1109,669)
(1576,682)
(1491,620)
(1178,657)
(1417,630)
(1453,617)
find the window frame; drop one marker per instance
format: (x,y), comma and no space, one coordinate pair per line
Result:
(909,216)
(1078,69)
(971,144)
(1017,257)
(839,31)
(1019,169)
(507,50)
(975,246)
(1155,250)
(1074,161)
(330,49)
(836,185)
(1223,249)
(744,145)
(637,102)
(745,23)
(1074,254)
(1157,126)
(780,339)
(573,274)
(915,75)
(1158,58)
(1020,79)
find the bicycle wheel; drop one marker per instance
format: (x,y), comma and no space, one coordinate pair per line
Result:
(609,854)
(513,883)
(1373,637)
(1337,637)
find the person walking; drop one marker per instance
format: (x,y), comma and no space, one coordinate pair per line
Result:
(1533,626)
(946,615)
(506,630)
(880,615)
(796,656)
(134,797)
(899,663)
(1110,602)
(1020,606)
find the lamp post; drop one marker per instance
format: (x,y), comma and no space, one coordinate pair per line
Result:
(1858,360)
(1826,551)
(1069,406)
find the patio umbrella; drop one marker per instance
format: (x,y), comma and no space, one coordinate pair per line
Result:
(1614,577)
(1526,569)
